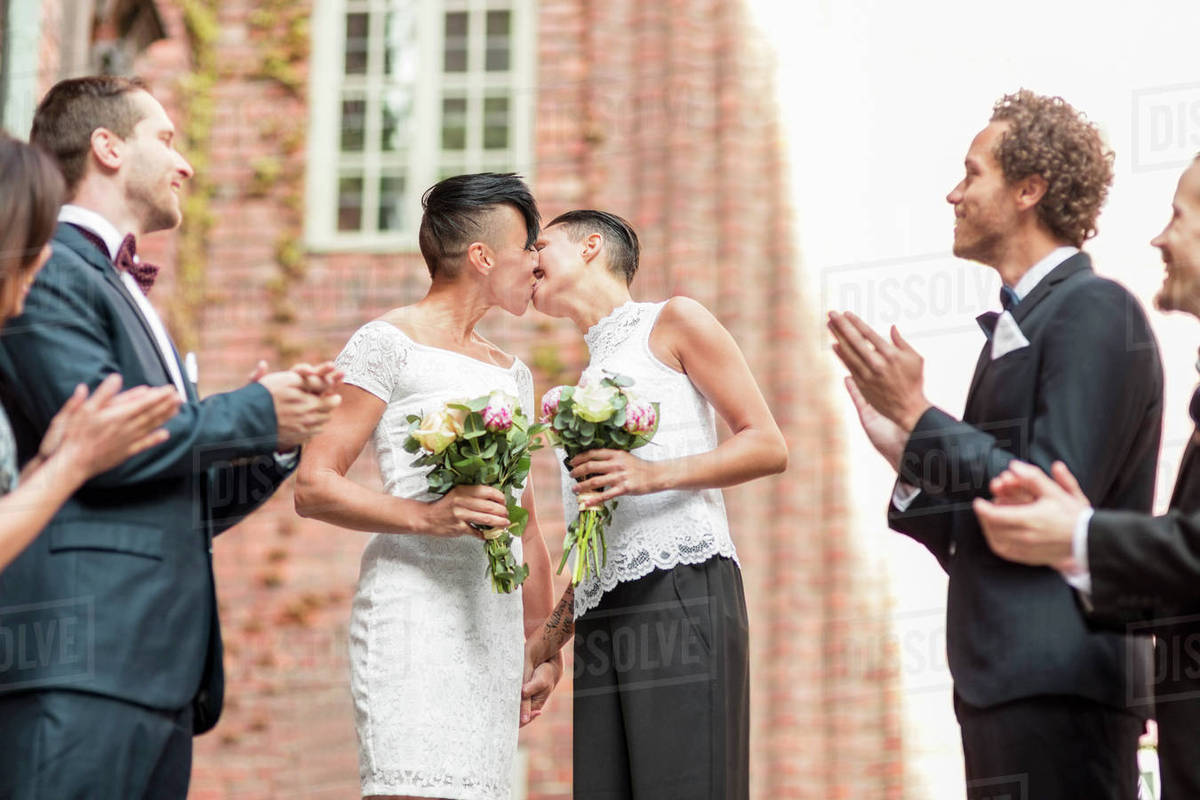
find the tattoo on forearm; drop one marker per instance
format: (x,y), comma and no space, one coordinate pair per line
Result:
(560,625)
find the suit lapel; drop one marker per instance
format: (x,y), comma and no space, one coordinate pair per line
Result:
(1076,263)
(71,238)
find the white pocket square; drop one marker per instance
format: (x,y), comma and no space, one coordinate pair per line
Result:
(1007,337)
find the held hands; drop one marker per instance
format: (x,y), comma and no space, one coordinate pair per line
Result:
(605,474)
(92,434)
(541,675)
(304,396)
(465,510)
(1032,519)
(889,375)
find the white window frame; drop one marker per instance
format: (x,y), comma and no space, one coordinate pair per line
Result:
(425,154)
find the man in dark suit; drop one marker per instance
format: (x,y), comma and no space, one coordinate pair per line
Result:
(110,648)
(1070,371)
(1134,571)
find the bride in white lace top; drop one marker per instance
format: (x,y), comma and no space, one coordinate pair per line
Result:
(435,652)
(671,512)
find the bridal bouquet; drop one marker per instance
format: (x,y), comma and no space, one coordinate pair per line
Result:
(486,441)
(602,415)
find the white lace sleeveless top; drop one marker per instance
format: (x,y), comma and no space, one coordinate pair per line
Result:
(661,530)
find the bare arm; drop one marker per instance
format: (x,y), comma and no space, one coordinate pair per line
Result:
(324,492)
(689,338)
(537,593)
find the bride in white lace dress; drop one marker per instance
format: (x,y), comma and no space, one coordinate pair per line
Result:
(435,652)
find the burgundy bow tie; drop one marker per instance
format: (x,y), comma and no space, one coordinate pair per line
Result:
(127,261)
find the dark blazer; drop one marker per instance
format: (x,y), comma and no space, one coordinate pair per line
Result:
(1086,390)
(1146,579)
(116,596)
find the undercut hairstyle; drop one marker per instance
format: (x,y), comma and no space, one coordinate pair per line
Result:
(33,189)
(73,109)
(458,211)
(1047,137)
(622,251)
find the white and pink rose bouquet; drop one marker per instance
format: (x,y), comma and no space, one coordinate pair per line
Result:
(595,415)
(486,441)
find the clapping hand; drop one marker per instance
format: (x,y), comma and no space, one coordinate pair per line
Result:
(1032,517)
(93,433)
(888,374)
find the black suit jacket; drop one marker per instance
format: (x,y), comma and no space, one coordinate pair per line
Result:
(116,596)
(1086,390)
(1146,579)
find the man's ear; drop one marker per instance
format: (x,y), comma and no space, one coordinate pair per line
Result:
(480,257)
(107,148)
(1029,191)
(592,245)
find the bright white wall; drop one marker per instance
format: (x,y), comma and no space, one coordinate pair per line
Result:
(880,100)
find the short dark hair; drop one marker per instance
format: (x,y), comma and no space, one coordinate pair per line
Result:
(456,211)
(34,191)
(73,109)
(1048,137)
(621,246)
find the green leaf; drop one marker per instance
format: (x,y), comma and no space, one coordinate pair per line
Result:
(518,518)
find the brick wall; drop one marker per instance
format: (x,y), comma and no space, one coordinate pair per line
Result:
(662,112)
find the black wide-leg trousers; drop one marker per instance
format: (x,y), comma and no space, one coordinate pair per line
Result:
(662,688)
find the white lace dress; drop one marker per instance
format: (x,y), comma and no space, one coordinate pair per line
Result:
(435,654)
(665,529)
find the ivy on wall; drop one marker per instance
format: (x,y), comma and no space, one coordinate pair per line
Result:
(281,31)
(196,87)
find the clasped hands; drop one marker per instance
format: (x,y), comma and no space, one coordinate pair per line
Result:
(541,674)
(1031,517)
(304,397)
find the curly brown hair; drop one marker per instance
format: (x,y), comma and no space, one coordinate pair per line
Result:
(1047,137)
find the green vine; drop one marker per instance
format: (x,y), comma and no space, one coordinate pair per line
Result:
(280,27)
(196,88)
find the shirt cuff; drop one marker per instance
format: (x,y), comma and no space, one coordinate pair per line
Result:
(287,460)
(904,494)
(1080,577)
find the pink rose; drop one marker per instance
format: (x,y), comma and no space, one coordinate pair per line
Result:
(640,418)
(498,413)
(550,403)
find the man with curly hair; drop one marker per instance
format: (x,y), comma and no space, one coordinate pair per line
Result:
(1070,372)
(1142,570)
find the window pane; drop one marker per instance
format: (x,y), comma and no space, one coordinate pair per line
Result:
(495,123)
(454,123)
(396,126)
(455,56)
(400,42)
(391,202)
(498,41)
(356,43)
(354,123)
(350,203)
